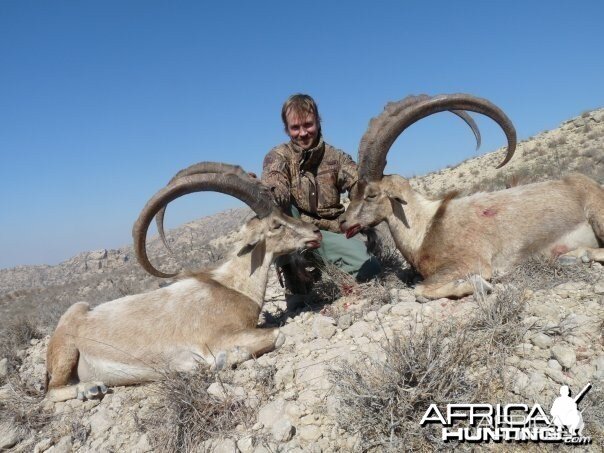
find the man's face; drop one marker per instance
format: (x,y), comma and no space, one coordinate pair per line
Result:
(303,129)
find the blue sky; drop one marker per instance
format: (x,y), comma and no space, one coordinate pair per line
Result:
(102,102)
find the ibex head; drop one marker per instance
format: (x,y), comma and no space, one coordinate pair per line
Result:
(376,196)
(270,230)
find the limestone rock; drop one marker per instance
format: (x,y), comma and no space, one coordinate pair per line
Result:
(225,446)
(283,430)
(323,327)
(63,446)
(359,329)
(599,365)
(345,321)
(565,355)
(542,340)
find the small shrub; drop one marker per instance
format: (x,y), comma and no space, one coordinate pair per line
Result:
(186,415)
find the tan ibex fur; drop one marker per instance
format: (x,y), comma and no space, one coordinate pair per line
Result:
(206,317)
(457,244)
(452,239)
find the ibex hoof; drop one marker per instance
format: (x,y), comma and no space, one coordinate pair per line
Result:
(92,391)
(568,260)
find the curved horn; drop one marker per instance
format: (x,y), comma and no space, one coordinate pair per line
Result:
(470,122)
(251,192)
(198,168)
(385,128)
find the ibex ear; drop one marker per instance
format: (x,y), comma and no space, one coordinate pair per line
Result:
(397,209)
(250,245)
(257,247)
(258,255)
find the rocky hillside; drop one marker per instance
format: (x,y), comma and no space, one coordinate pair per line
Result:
(361,362)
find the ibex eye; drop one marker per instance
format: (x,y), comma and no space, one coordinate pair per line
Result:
(277,226)
(371,196)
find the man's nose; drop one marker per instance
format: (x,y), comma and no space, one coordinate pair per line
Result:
(303,132)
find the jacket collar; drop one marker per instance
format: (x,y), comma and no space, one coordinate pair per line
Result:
(310,158)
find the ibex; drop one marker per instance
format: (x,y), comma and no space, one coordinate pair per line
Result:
(206,316)
(457,244)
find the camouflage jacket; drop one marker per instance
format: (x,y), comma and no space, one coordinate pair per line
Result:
(311,180)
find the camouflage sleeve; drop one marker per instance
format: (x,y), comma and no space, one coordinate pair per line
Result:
(347,176)
(276,176)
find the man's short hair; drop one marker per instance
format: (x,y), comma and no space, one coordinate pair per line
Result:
(300,104)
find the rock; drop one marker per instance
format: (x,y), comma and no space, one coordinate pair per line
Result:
(294,330)
(359,329)
(520,381)
(385,309)
(565,355)
(407,308)
(223,391)
(599,288)
(523,349)
(309,433)
(558,376)
(547,311)
(542,340)
(43,445)
(97,254)
(283,430)
(345,321)
(371,316)
(225,446)
(273,412)
(143,445)
(63,446)
(599,365)
(583,374)
(9,435)
(100,421)
(245,445)
(554,364)
(284,375)
(569,290)
(537,382)
(312,373)
(3,367)
(323,327)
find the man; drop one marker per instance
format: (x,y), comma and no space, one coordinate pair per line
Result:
(306,177)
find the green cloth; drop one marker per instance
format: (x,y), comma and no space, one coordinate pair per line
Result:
(350,255)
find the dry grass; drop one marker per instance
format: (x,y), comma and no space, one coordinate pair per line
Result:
(15,336)
(186,415)
(382,400)
(22,408)
(540,273)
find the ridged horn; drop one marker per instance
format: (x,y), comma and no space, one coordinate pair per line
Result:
(396,117)
(250,191)
(196,169)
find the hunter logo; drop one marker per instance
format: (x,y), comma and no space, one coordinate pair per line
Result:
(512,422)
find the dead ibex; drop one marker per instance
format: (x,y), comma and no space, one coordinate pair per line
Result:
(206,316)
(456,244)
